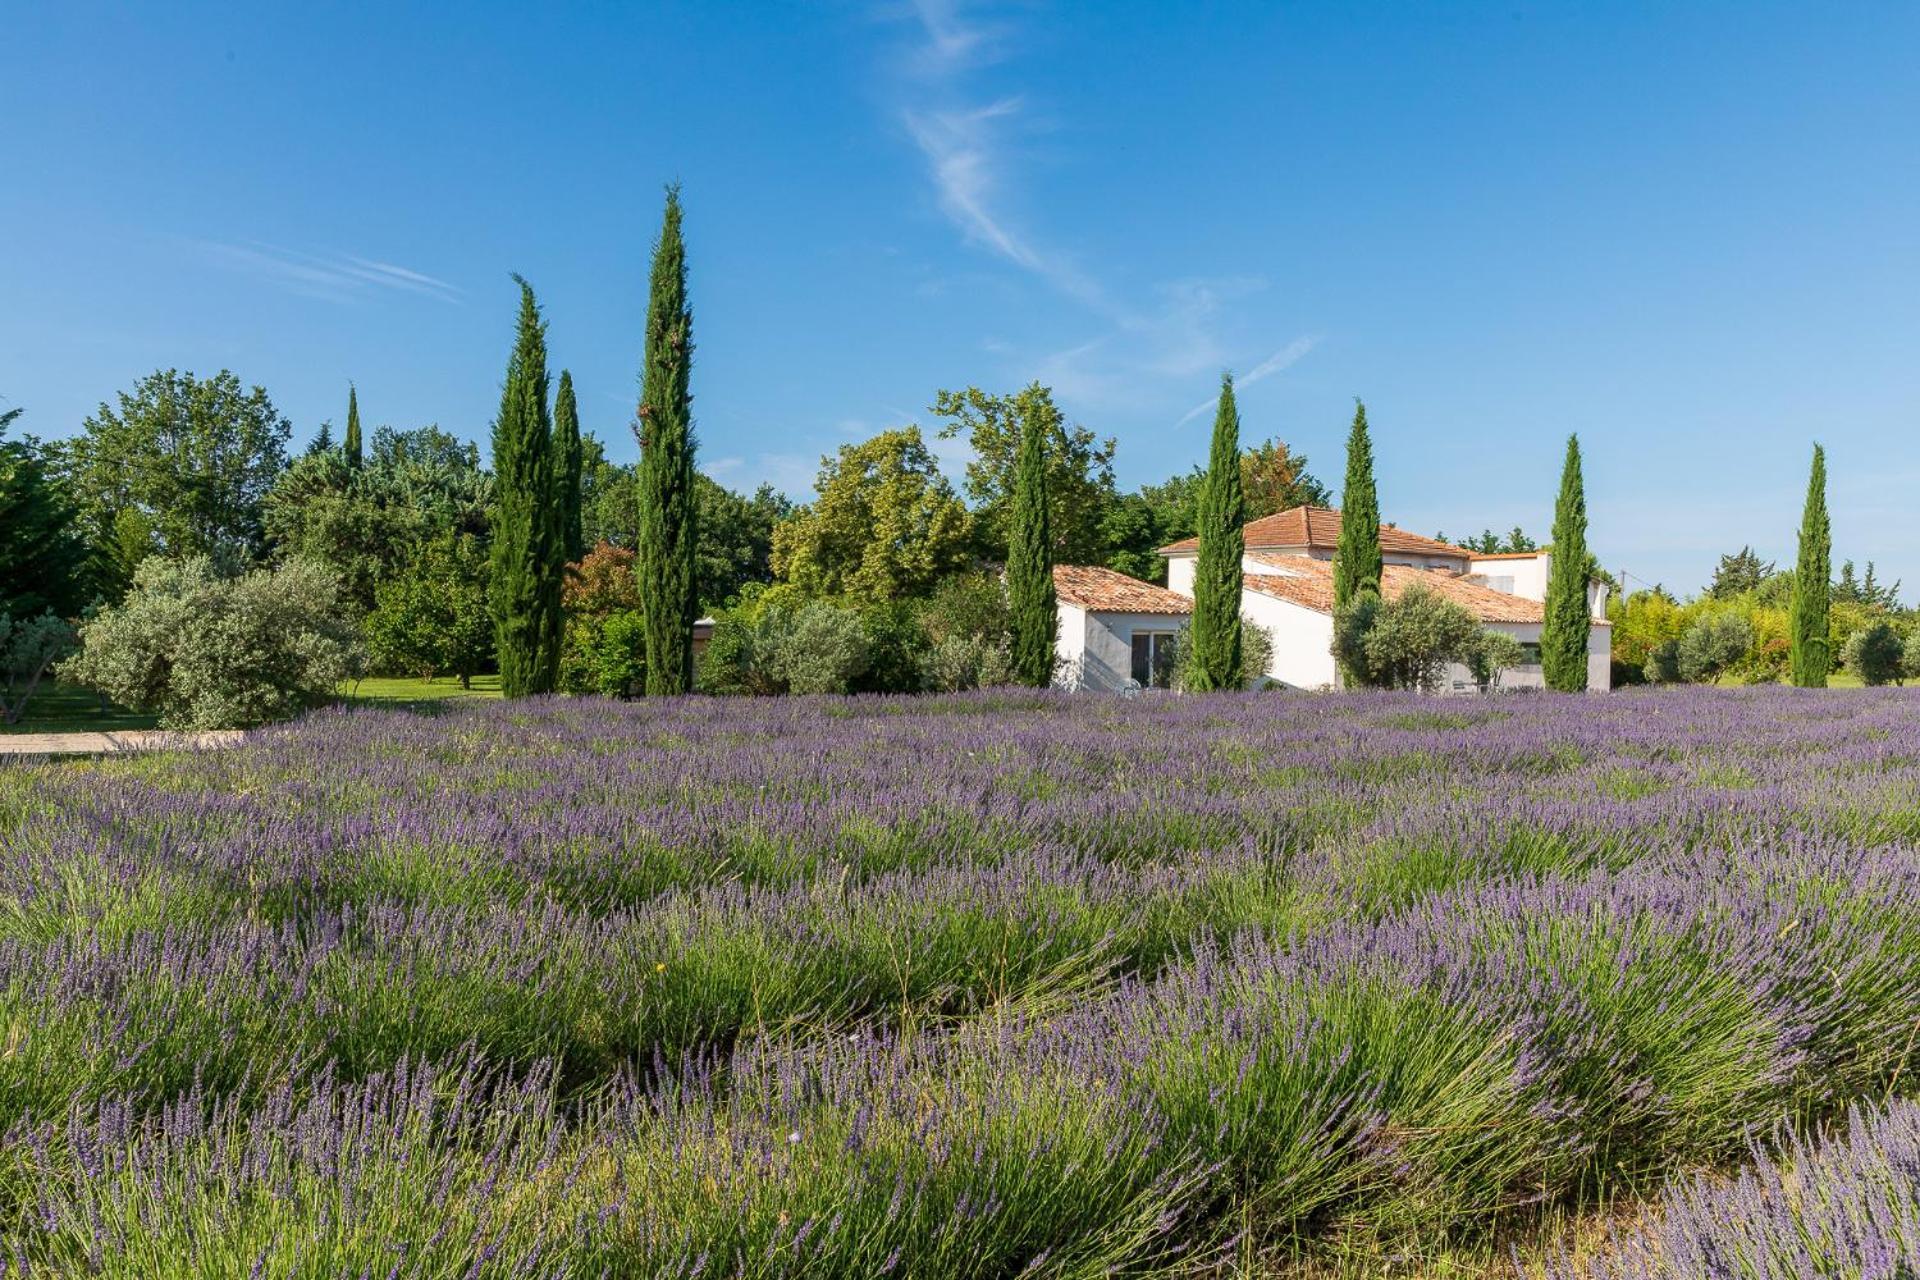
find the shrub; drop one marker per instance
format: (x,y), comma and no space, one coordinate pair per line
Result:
(206,651)
(27,649)
(896,650)
(1496,652)
(605,654)
(966,662)
(1663,663)
(969,605)
(824,650)
(1712,645)
(1256,654)
(1876,652)
(1408,642)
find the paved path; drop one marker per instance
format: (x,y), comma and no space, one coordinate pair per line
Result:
(94,744)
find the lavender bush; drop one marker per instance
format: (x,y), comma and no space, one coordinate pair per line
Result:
(994,984)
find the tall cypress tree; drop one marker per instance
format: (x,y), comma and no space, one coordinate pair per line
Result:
(527,565)
(668,590)
(351,446)
(566,431)
(1030,592)
(1356,559)
(1811,653)
(1569,618)
(1215,632)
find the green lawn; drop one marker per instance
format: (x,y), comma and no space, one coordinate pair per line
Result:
(411,693)
(67,708)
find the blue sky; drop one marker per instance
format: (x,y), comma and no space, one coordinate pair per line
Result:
(1689,233)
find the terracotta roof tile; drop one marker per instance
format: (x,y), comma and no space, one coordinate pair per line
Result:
(1109,591)
(1307,582)
(1319,527)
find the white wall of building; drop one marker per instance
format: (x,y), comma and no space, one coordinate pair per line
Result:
(1099,656)
(1069,644)
(1302,640)
(1526,577)
(1180,574)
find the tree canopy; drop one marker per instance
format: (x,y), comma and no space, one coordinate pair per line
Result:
(181,466)
(1079,469)
(886,524)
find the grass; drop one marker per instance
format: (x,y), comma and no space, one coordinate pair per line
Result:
(69,708)
(409,693)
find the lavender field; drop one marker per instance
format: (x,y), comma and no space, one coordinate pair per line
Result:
(983,986)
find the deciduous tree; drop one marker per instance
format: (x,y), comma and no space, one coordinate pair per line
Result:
(181,466)
(885,526)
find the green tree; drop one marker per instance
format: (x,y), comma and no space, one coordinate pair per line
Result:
(1568,618)
(210,651)
(28,647)
(1867,590)
(1216,627)
(1812,651)
(735,538)
(885,526)
(1739,573)
(669,528)
(1356,559)
(1408,642)
(43,559)
(1079,470)
(1489,543)
(352,447)
(1877,652)
(1274,478)
(1713,644)
(566,430)
(182,467)
(1030,591)
(528,555)
(432,616)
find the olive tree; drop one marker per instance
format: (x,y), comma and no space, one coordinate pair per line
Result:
(205,650)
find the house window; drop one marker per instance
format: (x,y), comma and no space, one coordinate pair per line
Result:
(1152,659)
(1529,653)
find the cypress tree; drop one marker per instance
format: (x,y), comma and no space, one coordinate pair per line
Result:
(1356,558)
(1569,621)
(351,445)
(1811,653)
(1030,593)
(527,566)
(566,431)
(1215,632)
(668,590)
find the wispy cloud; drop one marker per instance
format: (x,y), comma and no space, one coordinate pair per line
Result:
(1284,358)
(1145,347)
(331,277)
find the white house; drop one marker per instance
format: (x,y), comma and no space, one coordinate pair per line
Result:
(1288,590)
(1115,632)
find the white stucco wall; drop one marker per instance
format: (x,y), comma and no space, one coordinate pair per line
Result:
(1069,643)
(1102,646)
(1180,574)
(1530,579)
(1302,640)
